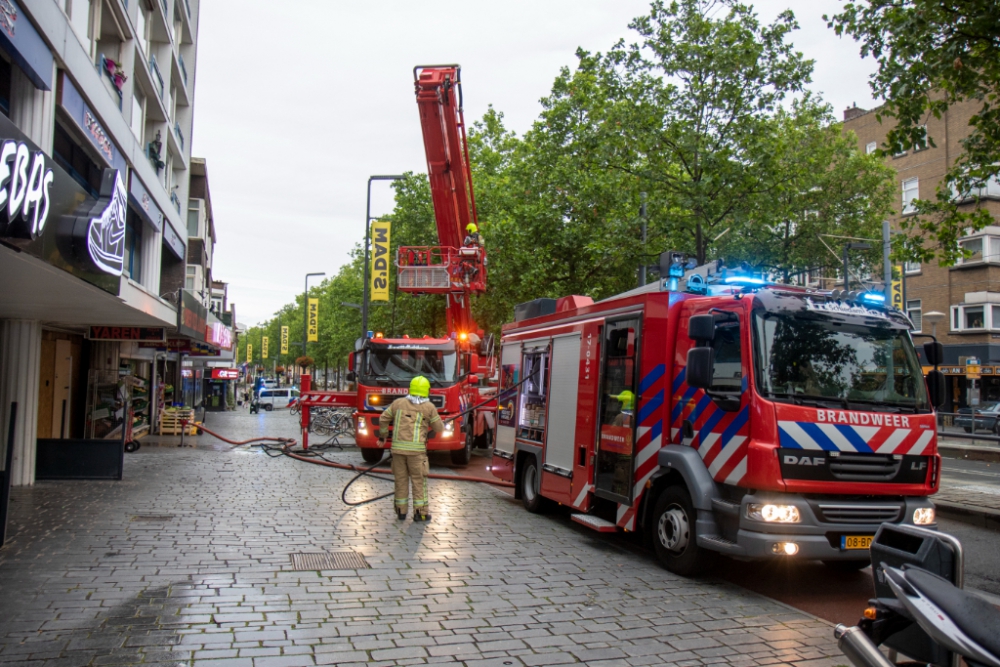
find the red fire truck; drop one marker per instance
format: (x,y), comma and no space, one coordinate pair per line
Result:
(733,416)
(383,367)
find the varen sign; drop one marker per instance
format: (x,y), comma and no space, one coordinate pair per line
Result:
(144,334)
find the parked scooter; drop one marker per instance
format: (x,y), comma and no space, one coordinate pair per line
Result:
(920,609)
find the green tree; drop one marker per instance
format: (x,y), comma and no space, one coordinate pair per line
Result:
(931,55)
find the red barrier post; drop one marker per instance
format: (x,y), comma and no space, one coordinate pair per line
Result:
(306,408)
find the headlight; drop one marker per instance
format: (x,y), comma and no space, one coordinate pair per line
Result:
(923,516)
(773,513)
(449,426)
(362,423)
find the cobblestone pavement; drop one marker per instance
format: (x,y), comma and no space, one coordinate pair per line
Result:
(188,561)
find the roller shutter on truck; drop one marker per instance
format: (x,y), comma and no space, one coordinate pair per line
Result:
(510,360)
(562,393)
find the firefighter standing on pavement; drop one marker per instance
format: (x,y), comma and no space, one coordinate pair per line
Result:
(412,416)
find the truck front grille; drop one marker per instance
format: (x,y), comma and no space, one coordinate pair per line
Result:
(859,513)
(864,467)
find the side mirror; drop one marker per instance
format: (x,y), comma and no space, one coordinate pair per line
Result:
(936,389)
(351,377)
(472,378)
(701,328)
(351,362)
(473,363)
(700,366)
(934,351)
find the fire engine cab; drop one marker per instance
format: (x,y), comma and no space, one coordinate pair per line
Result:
(731,416)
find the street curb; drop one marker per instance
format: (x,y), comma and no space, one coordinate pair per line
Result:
(969,452)
(982,517)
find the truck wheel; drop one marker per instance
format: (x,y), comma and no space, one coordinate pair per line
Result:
(372,454)
(847,565)
(461,457)
(530,486)
(673,534)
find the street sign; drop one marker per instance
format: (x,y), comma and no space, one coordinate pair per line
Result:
(312,331)
(284,340)
(897,287)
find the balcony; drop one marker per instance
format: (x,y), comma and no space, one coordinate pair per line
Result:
(184,72)
(175,201)
(180,137)
(154,70)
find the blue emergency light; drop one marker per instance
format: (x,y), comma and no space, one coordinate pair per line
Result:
(873,298)
(750,281)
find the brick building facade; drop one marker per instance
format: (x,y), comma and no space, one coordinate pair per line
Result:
(959,304)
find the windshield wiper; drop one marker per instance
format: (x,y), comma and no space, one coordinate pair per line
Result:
(387,378)
(897,407)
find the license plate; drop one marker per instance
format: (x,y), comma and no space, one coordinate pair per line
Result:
(855,541)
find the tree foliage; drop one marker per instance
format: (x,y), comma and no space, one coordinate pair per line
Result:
(932,55)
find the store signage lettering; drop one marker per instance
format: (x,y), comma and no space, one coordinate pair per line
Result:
(225,374)
(24,189)
(219,334)
(144,334)
(99,136)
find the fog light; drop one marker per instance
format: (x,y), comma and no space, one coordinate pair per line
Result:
(773,513)
(923,516)
(785,548)
(362,424)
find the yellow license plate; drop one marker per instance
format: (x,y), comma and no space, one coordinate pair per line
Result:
(855,541)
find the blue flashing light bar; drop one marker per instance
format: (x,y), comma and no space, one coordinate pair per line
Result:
(743,280)
(371,334)
(873,297)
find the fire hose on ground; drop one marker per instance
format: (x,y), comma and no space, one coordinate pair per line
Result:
(283,446)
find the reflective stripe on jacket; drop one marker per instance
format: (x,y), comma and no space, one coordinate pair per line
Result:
(410,424)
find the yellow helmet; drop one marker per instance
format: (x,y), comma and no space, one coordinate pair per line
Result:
(627,400)
(471,228)
(420,386)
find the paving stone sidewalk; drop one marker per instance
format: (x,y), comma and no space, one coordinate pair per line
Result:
(188,562)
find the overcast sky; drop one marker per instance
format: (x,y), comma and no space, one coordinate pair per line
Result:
(298,103)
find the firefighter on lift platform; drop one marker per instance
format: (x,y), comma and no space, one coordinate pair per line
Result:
(412,416)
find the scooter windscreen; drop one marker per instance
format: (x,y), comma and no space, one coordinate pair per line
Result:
(960,621)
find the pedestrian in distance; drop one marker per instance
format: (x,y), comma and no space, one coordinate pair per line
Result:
(412,417)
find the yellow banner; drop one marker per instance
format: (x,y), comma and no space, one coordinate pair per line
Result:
(380,260)
(897,286)
(312,331)
(284,340)
(249,352)
(236,356)
(263,347)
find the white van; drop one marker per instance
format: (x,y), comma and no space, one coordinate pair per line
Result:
(277,398)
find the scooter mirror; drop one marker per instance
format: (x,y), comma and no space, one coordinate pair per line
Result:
(934,351)
(936,388)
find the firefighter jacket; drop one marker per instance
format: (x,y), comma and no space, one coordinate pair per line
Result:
(411,418)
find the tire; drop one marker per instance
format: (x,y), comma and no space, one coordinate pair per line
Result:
(485,441)
(268,407)
(531,482)
(131,445)
(847,565)
(674,535)
(372,454)
(461,457)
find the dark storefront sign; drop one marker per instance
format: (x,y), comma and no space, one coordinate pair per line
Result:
(46,214)
(174,241)
(143,203)
(192,317)
(24,45)
(143,334)
(85,118)
(183,346)
(225,374)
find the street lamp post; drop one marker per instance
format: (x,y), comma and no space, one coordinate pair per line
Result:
(848,247)
(368,220)
(305,311)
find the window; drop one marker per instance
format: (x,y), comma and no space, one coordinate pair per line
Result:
(5,83)
(192,273)
(78,12)
(142,26)
(217,305)
(193,223)
(133,247)
(76,161)
(138,120)
(914,312)
(871,147)
(728,370)
(911,267)
(974,247)
(969,318)
(921,143)
(911,191)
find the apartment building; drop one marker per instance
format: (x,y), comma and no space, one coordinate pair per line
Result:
(96,117)
(958,304)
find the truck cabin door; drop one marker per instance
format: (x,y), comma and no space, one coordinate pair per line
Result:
(617,410)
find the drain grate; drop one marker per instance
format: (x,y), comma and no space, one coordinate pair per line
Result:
(337,560)
(153,517)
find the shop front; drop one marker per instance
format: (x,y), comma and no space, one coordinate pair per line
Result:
(220,392)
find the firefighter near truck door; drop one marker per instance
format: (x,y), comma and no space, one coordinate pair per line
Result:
(617,427)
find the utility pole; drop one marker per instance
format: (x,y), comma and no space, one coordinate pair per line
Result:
(642,215)
(368,220)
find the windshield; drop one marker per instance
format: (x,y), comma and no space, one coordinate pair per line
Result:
(808,358)
(399,366)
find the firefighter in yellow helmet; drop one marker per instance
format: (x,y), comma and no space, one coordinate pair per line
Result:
(412,416)
(473,237)
(627,399)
